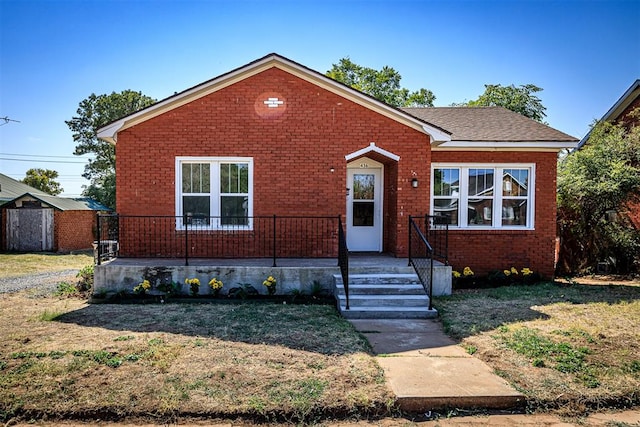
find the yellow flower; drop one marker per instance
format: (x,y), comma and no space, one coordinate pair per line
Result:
(526,271)
(456,274)
(215,283)
(271,281)
(142,286)
(467,272)
(514,270)
(195,281)
(507,273)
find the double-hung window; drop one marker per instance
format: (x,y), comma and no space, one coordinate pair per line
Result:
(484,196)
(214,193)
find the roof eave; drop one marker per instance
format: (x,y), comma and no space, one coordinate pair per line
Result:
(507,145)
(614,112)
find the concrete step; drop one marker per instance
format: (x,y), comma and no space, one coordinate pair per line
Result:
(388,313)
(399,301)
(381,289)
(383,296)
(382,279)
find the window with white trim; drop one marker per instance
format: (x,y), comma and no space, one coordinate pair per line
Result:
(484,196)
(214,192)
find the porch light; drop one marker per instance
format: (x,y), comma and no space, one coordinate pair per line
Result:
(414,182)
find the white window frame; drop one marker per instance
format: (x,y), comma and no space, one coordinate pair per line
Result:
(497,198)
(215,191)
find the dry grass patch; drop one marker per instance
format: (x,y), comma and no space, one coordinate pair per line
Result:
(571,346)
(23,264)
(66,358)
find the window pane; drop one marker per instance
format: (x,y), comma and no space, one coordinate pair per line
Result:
(234,210)
(446,182)
(363,186)
(363,214)
(514,212)
(196,208)
(195,178)
(448,208)
(515,182)
(481,182)
(480,212)
(234,178)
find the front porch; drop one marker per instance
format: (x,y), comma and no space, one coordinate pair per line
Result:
(165,251)
(292,274)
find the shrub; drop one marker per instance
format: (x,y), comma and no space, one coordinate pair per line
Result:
(85,276)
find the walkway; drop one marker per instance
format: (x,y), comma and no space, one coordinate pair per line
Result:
(429,371)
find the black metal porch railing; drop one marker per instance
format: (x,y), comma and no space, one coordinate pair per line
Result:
(133,236)
(428,239)
(343,261)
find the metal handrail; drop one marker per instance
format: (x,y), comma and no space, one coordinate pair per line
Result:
(421,258)
(343,260)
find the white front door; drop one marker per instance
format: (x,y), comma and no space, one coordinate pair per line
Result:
(364,206)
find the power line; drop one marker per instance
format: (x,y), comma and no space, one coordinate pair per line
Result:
(39,155)
(6,120)
(41,161)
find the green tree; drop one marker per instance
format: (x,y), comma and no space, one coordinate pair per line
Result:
(383,85)
(94,112)
(521,99)
(44,180)
(595,186)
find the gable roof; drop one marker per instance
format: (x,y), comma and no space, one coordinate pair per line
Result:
(492,127)
(62,203)
(11,188)
(109,132)
(618,108)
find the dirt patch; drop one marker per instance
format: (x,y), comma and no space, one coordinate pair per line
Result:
(64,358)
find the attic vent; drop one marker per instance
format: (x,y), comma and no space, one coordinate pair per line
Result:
(273,102)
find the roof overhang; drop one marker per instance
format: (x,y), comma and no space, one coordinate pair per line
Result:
(372,148)
(109,132)
(618,108)
(506,145)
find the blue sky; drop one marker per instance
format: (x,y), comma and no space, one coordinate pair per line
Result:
(53,54)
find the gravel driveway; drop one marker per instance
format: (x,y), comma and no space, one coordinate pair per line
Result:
(42,283)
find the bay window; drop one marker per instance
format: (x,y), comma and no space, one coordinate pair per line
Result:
(214,192)
(484,196)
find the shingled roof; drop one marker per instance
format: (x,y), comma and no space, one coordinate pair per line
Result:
(488,124)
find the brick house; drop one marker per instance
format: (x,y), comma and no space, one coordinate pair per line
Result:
(620,112)
(34,221)
(276,138)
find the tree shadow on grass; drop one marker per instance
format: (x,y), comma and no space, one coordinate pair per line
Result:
(472,311)
(314,328)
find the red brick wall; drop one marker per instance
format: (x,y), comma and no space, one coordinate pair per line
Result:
(626,117)
(486,250)
(74,230)
(293,148)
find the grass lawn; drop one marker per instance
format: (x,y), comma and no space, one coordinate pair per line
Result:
(64,358)
(570,347)
(23,264)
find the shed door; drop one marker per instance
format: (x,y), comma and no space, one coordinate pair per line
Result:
(364,207)
(30,230)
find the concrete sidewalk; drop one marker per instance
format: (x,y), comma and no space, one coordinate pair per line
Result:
(428,371)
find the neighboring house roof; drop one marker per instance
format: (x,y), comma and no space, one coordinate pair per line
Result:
(110,132)
(483,127)
(62,203)
(11,188)
(614,113)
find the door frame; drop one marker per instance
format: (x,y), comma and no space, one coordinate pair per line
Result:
(363,164)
